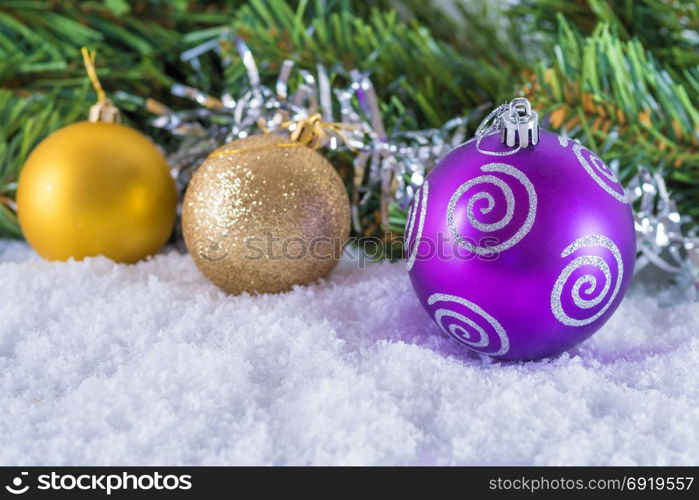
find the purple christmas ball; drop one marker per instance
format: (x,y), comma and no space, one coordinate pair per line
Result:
(520,253)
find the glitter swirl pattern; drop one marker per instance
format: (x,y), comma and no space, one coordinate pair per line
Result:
(509,196)
(600,173)
(418,210)
(465,329)
(584,293)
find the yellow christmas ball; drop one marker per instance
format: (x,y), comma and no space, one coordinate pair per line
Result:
(262,214)
(96,188)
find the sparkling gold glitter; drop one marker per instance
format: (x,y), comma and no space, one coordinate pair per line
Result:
(264,218)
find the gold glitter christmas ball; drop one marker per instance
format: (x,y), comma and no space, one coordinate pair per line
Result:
(263,214)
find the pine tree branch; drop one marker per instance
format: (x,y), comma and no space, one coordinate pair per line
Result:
(621,101)
(669,29)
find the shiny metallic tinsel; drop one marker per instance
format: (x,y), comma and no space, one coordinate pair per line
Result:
(660,240)
(393,163)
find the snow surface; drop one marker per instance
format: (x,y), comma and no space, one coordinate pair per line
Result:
(150,364)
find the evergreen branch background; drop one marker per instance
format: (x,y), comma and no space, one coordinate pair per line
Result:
(622,76)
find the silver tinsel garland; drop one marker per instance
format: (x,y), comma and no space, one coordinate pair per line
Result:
(660,241)
(392,163)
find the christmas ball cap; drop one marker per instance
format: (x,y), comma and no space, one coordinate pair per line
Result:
(516,122)
(104,109)
(311,131)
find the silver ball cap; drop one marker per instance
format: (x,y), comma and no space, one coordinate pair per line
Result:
(519,121)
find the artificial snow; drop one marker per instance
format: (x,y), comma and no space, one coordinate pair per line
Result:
(151,364)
